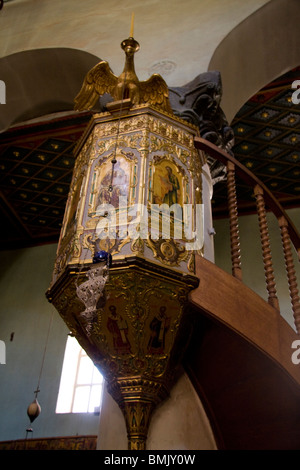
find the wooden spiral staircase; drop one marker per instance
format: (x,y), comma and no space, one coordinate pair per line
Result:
(239,359)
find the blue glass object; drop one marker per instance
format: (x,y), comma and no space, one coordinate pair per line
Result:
(100,256)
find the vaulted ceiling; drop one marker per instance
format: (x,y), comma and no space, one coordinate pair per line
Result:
(36,163)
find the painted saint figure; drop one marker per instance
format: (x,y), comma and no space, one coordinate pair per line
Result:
(120,182)
(118,327)
(159,327)
(171,195)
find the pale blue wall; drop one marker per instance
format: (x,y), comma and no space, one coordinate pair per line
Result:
(24,310)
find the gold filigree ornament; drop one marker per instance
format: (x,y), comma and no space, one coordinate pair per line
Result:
(169,252)
(138,245)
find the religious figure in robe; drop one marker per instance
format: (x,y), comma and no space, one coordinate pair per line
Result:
(120,183)
(159,327)
(118,327)
(171,185)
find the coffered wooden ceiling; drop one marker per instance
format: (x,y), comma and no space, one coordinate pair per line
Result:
(36,163)
(267,142)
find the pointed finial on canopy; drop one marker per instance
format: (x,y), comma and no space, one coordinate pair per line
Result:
(132,25)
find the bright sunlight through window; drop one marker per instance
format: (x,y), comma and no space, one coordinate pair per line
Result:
(81,383)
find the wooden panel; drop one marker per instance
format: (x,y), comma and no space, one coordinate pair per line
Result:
(252,404)
(239,361)
(228,300)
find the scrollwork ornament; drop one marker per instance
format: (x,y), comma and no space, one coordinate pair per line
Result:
(191,263)
(169,252)
(138,245)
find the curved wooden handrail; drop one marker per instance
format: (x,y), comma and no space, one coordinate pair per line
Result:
(251,180)
(263,197)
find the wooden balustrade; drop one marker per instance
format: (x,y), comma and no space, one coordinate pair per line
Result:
(233,222)
(290,270)
(263,197)
(265,244)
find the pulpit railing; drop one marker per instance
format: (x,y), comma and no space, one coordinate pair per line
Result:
(264,198)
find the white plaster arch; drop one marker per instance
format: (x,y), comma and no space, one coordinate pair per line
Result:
(261,48)
(41,81)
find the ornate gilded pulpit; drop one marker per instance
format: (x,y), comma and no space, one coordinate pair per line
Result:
(133,223)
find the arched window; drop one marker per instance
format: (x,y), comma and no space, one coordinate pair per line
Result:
(81,383)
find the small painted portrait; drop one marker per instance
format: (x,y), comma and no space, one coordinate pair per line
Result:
(118,178)
(158,329)
(118,328)
(166,185)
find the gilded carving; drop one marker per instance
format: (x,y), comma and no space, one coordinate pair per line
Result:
(139,143)
(168,252)
(115,127)
(138,245)
(137,416)
(111,243)
(133,331)
(69,249)
(131,339)
(100,80)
